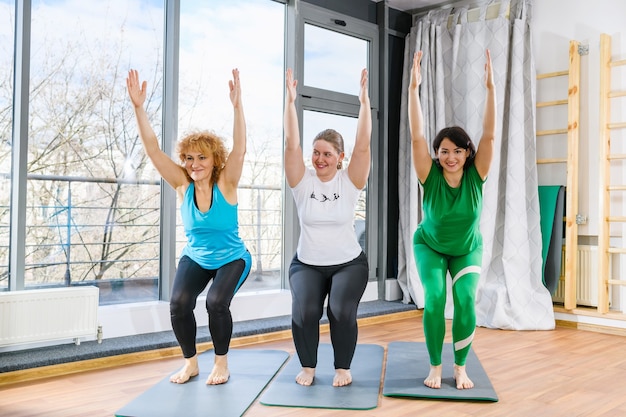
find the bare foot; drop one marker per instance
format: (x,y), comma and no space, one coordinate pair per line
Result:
(190,369)
(433,380)
(305,377)
(461,378)
(342,378)
(219,374)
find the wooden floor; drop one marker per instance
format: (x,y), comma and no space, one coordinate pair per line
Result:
(564,372)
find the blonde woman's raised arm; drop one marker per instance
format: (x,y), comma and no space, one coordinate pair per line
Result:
(234,164)
(172,173)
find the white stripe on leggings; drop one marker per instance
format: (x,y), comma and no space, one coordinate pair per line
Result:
(465,342)
(465,271)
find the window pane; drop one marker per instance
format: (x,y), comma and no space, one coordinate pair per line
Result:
(332,59)
(92,196)
(7,25)
(216,37)
(313,123)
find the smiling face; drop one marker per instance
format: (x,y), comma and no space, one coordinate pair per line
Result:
(199,166)
(452,157)
(325,159)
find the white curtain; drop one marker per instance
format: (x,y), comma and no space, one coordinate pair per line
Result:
(511,294)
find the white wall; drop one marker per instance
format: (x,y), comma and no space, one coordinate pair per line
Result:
(554,24)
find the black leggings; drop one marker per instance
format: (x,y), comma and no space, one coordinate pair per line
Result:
(344,284)
(191,279)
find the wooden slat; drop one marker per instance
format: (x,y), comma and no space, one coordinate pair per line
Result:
(616,250)
(617,63)
(617,156)
(617,282)
(604,178)
(616,219)
(551,103)
(551,160)
(551,132)
(617,188)
(552,74)
(614,94)
(619,125)
(571,195)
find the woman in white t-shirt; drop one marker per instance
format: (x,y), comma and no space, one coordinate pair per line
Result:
(329,260)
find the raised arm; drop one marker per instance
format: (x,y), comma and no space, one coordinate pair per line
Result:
(359,167)
(171,172)
(484,153)
(294,162)
(422,161)
(234,164)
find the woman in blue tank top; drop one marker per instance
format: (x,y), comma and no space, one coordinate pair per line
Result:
(206,181)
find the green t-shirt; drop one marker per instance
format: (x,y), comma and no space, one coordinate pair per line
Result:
(451,215)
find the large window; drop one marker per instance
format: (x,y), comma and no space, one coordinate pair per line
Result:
(93,201)
(7,25)
(92,196)
(216,37)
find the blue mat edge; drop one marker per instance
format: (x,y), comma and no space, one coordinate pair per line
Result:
(295,357)
(287,357)
(479,398)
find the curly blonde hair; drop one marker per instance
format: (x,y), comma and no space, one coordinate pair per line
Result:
(207,143)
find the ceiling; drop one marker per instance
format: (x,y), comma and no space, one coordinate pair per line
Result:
(411,5)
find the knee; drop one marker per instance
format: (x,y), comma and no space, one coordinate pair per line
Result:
(307,315)
(216,305)
(464,300)
(180,306)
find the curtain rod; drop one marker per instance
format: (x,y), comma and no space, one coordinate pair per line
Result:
(473,4)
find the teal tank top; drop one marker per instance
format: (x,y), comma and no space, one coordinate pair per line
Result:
(212,237)
(451,223)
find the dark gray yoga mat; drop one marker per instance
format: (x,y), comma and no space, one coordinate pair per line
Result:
(362,394)
(250,371)
(408,365)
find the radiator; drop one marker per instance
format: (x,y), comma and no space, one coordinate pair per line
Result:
(46,315)
(587,279)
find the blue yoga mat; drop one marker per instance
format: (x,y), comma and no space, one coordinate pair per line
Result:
(408,365)
(362,394)
(250,371)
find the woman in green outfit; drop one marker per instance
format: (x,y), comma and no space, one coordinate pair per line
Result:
(448,238)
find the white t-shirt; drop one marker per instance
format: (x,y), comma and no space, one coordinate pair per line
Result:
(326,213)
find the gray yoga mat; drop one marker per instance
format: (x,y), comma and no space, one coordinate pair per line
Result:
(408,365)
(362,394)
(250,371)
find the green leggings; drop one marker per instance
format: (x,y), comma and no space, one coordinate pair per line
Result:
(432,267)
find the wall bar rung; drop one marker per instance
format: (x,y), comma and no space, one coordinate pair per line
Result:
(552,74)
(552,160)
(616,219)
(551,132)
(618,63)
(551,103)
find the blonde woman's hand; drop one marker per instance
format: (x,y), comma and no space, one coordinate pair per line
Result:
(234,86)
(136,91)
